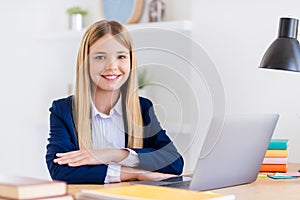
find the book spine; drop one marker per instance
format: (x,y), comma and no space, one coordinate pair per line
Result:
(275,160)
(278,144)
(273,168)
(276,153)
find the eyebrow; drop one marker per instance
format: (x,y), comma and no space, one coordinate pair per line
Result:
(101,52)
(127,52)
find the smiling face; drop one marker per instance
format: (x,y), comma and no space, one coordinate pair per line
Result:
(109,63)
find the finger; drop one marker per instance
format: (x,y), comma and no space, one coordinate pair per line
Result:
(77,164)
(162,176)
(85,161)
(70,153)
(70,160)
(66,160)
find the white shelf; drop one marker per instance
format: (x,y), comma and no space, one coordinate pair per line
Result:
(184,26)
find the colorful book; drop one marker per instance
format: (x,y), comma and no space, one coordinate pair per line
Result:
(273,168)
(19,187)
(275,160)
(276,153)
(278,144)
(139,192)
(287,175)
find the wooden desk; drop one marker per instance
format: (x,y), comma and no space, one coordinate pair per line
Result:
(262,188)
(266,188)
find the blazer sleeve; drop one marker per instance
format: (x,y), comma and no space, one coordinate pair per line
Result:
(63,139)
(159,153)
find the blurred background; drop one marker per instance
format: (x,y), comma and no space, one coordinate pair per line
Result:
(38,52)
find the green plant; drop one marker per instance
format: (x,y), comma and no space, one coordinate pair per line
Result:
(76,10)
(143,78)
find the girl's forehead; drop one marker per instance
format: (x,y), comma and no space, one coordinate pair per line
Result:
(107,43)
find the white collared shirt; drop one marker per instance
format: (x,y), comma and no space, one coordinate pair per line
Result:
(108,132)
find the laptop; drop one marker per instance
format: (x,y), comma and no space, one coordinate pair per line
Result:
(232,153)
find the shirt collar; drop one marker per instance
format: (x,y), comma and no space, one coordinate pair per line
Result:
(116,109)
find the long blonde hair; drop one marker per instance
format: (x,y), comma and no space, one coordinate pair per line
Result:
(83,86)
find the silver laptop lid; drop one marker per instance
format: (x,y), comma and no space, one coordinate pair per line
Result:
(233,150)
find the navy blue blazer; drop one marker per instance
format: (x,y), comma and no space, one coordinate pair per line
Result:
(158,153)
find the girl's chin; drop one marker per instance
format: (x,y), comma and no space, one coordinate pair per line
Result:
(109,88)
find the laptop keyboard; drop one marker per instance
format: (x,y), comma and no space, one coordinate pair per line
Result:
(180,185)
(181,182)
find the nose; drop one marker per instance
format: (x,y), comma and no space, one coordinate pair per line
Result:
(113,64)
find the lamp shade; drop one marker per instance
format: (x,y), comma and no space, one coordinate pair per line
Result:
(284,52)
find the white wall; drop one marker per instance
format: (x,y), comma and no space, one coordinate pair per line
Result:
(34,71)
(22,136)
(235,34)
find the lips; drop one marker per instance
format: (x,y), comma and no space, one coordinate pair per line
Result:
(110,76)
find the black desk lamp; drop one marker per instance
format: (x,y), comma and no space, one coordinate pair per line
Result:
(284,52)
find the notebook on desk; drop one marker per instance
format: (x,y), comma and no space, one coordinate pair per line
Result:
(232,153)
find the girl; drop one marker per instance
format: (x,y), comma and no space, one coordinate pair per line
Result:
(105,132)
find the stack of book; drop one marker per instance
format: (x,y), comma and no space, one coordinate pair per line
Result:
(276,158)
(19,187)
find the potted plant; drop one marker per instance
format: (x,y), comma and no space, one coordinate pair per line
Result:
(76,14)
(143,80)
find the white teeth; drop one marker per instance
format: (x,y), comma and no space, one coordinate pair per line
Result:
(111,77)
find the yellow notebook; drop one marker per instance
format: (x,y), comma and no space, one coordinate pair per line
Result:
(147,192)
(276,153)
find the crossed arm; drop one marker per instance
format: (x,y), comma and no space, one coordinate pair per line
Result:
(106,156)
(158,159)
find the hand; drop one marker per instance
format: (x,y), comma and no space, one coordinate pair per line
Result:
(154,176)
(128,173)
(90,157)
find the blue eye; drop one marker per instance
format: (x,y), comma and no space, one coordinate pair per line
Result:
(100,57)
(121,57)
